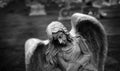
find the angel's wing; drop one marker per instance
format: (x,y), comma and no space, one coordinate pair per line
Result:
(34,54)
(92,30)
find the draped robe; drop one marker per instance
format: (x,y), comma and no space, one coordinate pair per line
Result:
(76,56)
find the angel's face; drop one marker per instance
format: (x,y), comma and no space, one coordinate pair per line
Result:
(61,37)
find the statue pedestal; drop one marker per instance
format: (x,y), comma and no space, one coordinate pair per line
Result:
(37,9)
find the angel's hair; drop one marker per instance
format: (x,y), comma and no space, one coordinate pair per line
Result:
(54,26)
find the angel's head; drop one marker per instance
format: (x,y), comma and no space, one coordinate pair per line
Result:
(57,32)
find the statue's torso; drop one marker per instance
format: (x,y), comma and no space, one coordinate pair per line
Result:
(72,54)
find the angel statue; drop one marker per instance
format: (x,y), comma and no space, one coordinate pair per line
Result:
(84,48)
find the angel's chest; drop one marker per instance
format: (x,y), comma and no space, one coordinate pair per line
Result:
(71,53)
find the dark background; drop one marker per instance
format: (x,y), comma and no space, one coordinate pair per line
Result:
(16,27)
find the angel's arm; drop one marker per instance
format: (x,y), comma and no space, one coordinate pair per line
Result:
(85,53)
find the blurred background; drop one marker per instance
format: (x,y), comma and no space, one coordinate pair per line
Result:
(23,19)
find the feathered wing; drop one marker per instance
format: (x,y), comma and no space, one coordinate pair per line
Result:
(34,54)
(92,30)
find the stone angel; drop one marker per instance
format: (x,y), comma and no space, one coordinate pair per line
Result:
(84,48)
